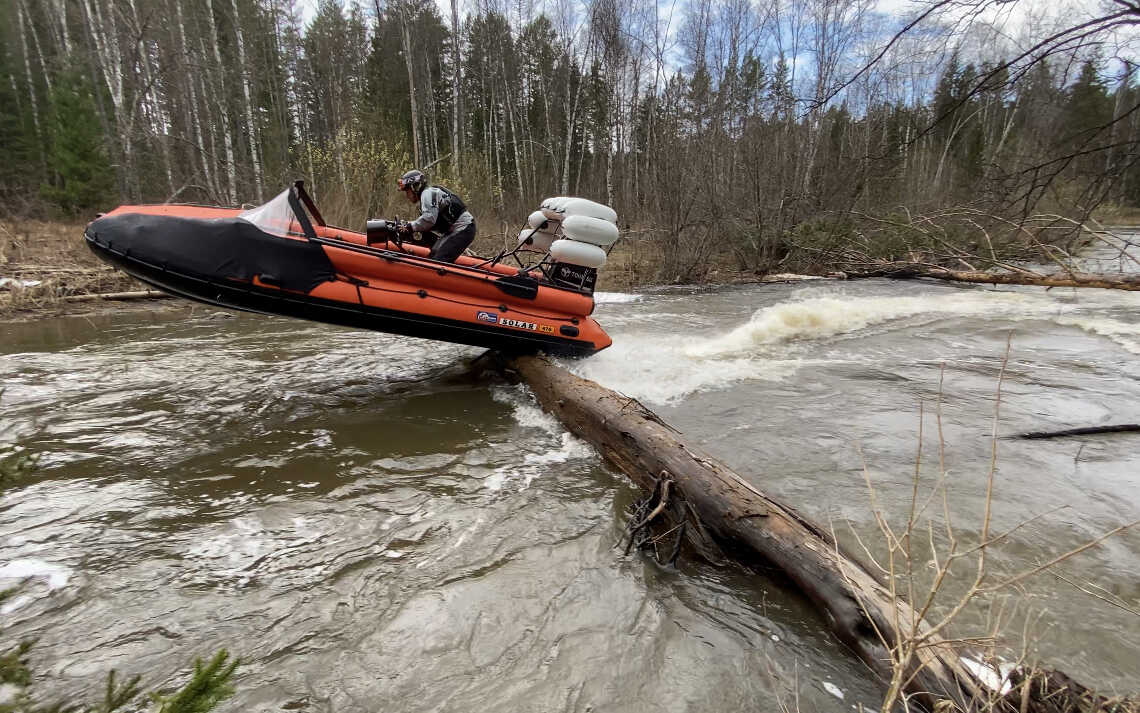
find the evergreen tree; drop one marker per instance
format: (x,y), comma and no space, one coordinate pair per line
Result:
(81,177)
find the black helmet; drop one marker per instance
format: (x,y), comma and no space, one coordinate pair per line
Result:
(414,179)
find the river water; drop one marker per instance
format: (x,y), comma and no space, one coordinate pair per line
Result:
(369,527)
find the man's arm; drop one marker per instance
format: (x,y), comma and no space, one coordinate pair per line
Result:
(429,207)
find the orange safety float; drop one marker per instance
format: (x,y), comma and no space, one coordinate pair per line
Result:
(281,258)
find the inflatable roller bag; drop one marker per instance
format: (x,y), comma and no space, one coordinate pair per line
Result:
(576,253)
(594,231)
(538,240)
(584,206)
(536,219)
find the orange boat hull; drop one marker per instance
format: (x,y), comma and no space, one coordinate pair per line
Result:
(209,255)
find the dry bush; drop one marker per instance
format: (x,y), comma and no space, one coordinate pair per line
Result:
(923,560)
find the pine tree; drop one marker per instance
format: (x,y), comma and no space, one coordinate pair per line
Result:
(81,177)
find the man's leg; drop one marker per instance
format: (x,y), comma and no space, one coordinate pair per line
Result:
(452,245)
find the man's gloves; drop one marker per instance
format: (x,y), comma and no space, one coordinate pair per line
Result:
(404,229)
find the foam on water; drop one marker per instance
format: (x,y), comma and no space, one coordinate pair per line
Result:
(603,298)
(524,408)
(650,369)
(534,465)
(663,369)
(55,576)
(816,318)
(527,413)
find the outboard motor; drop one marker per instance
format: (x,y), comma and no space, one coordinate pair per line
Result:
(379,230)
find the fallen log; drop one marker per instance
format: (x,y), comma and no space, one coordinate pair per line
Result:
(1084,431)
(1056,279)
(719,509)
(122,296)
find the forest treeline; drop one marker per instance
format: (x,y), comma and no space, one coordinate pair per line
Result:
(752,127)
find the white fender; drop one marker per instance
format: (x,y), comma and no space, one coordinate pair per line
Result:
(577,253)
(584,206)
(552,207)
(594,231)
(536,219)
(539,240)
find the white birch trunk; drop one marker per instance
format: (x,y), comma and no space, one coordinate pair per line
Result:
(406,36)
(28,70)
(507,100)
(251,128)
(36,44)
(60,7)
(192,96)
(455,93)
(158,125)
(227,139)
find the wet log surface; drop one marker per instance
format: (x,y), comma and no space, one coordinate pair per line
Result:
(1048,691)
(724,511)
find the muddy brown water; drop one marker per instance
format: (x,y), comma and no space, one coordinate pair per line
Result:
(371,528)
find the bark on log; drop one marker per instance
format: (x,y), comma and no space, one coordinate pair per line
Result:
(1048,691)
(1076,279)
(753,528)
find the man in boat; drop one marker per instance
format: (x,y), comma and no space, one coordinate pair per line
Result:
(442,213)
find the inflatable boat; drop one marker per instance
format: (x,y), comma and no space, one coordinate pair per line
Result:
(281,258)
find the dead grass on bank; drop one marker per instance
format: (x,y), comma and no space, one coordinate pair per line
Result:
(54,255)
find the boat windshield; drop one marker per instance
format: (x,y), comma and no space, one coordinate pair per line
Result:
(275,217)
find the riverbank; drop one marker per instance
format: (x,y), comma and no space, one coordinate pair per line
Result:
(44,263)
(46,270)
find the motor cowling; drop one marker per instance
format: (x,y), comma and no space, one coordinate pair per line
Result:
(379,230)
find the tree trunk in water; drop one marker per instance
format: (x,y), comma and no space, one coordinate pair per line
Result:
(722,507)
(1073,279)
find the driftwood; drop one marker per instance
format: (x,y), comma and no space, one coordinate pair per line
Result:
(723,510)
(1085,431)
(1019,277)
(123,296)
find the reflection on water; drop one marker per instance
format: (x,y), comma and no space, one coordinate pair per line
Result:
(371,527)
